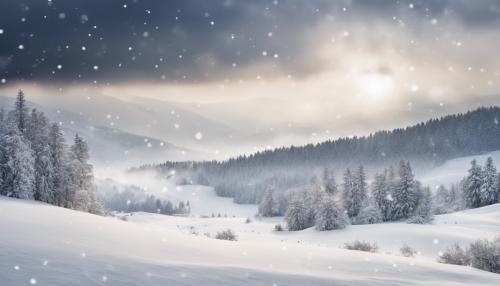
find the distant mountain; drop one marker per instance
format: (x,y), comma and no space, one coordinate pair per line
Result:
(426,144)
(109,144)
(143,117)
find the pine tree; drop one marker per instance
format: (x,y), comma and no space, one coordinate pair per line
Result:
(296,215)
(328,181)
(21,112)
(348,193)
(82,175)
(37,132)
(62,185)
(489,183)
(423,212)
(329,216)
(380,194)
(405,197)
(266,206)
(19,177)
(355,193)
(472,186)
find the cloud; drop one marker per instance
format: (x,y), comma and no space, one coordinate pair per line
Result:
(197,41)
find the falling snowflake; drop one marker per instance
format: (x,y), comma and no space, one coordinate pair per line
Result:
(198,136)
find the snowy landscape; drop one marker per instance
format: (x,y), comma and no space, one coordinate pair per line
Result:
(273,142)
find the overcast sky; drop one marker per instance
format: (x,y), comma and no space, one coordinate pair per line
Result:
(331,68)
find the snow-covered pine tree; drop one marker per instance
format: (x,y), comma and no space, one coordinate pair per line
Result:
(404,193)
(472,186)
(489,183)
(266,206)
(423,212)
(20,112)
(380,195)
(19,177)
(328,182)
(348,193)
(329,216)
(37,133)
(83,177)
(62,184)
(296,215)
(355,197)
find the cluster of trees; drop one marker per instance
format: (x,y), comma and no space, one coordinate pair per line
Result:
(429,143)
(392,196)
(134,199)
(37,164)
(482,185)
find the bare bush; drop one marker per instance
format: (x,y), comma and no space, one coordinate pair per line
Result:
(361,246)
(407,251)
(226,235)
(485,255)
(278,227)
(455,255)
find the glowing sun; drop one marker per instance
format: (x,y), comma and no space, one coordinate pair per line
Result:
(375,85)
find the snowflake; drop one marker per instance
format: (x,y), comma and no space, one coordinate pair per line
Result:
(198,136)
(33,281)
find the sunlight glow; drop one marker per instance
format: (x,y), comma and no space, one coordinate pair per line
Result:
(375,85)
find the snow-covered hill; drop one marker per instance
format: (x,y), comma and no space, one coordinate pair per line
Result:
(47,245)
(452,171)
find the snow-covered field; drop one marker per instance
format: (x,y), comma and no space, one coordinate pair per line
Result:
(48,245)
(452,171)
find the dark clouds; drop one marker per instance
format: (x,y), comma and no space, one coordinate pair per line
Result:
(192,41)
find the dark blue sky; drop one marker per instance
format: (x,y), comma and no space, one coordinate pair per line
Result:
(190,41)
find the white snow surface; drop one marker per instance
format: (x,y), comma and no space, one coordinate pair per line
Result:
(55,246)
(452,171)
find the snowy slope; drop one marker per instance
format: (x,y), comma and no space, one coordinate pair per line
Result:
(55,246)
(452,171)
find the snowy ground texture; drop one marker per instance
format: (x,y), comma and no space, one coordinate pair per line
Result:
(47,245)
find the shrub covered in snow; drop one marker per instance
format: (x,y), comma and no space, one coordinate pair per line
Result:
(278,227)
(485,255)
(226,235)
(482,254)
(407,251)
(361,246)
(368,215)
(455,255)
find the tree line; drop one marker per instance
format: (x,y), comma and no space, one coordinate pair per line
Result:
(132,198)
(392,196)
(425,144)
(36,163)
